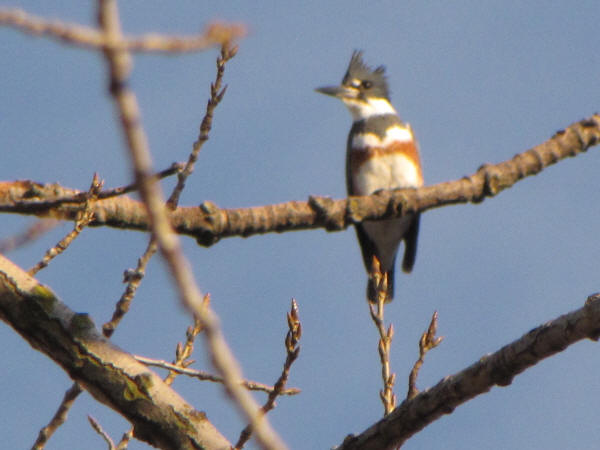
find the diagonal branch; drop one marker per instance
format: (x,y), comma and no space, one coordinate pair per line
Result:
(159,415)
(133,277)
(208,223)
(60,416)
(85,217)
(497,369)
(119,67)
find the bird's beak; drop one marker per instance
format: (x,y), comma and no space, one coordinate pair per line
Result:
(340,92)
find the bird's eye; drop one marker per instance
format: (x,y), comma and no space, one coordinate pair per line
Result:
(355,83)
(367,84)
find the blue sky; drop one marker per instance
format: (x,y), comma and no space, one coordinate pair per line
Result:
(478,81)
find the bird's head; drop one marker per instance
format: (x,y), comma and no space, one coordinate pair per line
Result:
(363,90)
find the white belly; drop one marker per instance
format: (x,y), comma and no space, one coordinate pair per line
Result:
(386,172)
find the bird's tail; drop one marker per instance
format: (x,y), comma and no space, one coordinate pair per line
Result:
(410,245)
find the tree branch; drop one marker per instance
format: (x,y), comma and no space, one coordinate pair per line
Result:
(205,376)
(60,416)
(208,223)
(74,34)
(497,369)
(292,348)
(119,66)
(159,415)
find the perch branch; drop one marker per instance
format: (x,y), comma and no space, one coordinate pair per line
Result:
(208,223)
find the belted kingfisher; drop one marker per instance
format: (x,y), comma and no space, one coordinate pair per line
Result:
(382,153)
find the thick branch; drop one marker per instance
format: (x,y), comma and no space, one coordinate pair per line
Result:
(208,223)
(159,415)
(497,369)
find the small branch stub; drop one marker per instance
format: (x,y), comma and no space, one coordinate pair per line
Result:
(292,348)
(427,342)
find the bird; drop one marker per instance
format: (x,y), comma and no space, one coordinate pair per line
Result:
(382,153)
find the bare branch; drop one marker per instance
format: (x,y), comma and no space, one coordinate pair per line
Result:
(205,376)
(135,277)
(119,67)
(387,396)
(208,223)
(496,369)
(183,353)
(85,217)
(292,348)
(59,417)
(427,342)
(214,34)
(216,95)
(115,192)
(113,377)
(96,426)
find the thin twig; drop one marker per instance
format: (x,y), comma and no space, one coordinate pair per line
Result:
(427,342)
(205,376)
(82,197)
(59,417)
(214,34)
(86,216)
(387,396)
(183,353)
(119,67)
(292,348)
(96,426)
(216,95)
(134,277)
(115,192)
(37,26)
